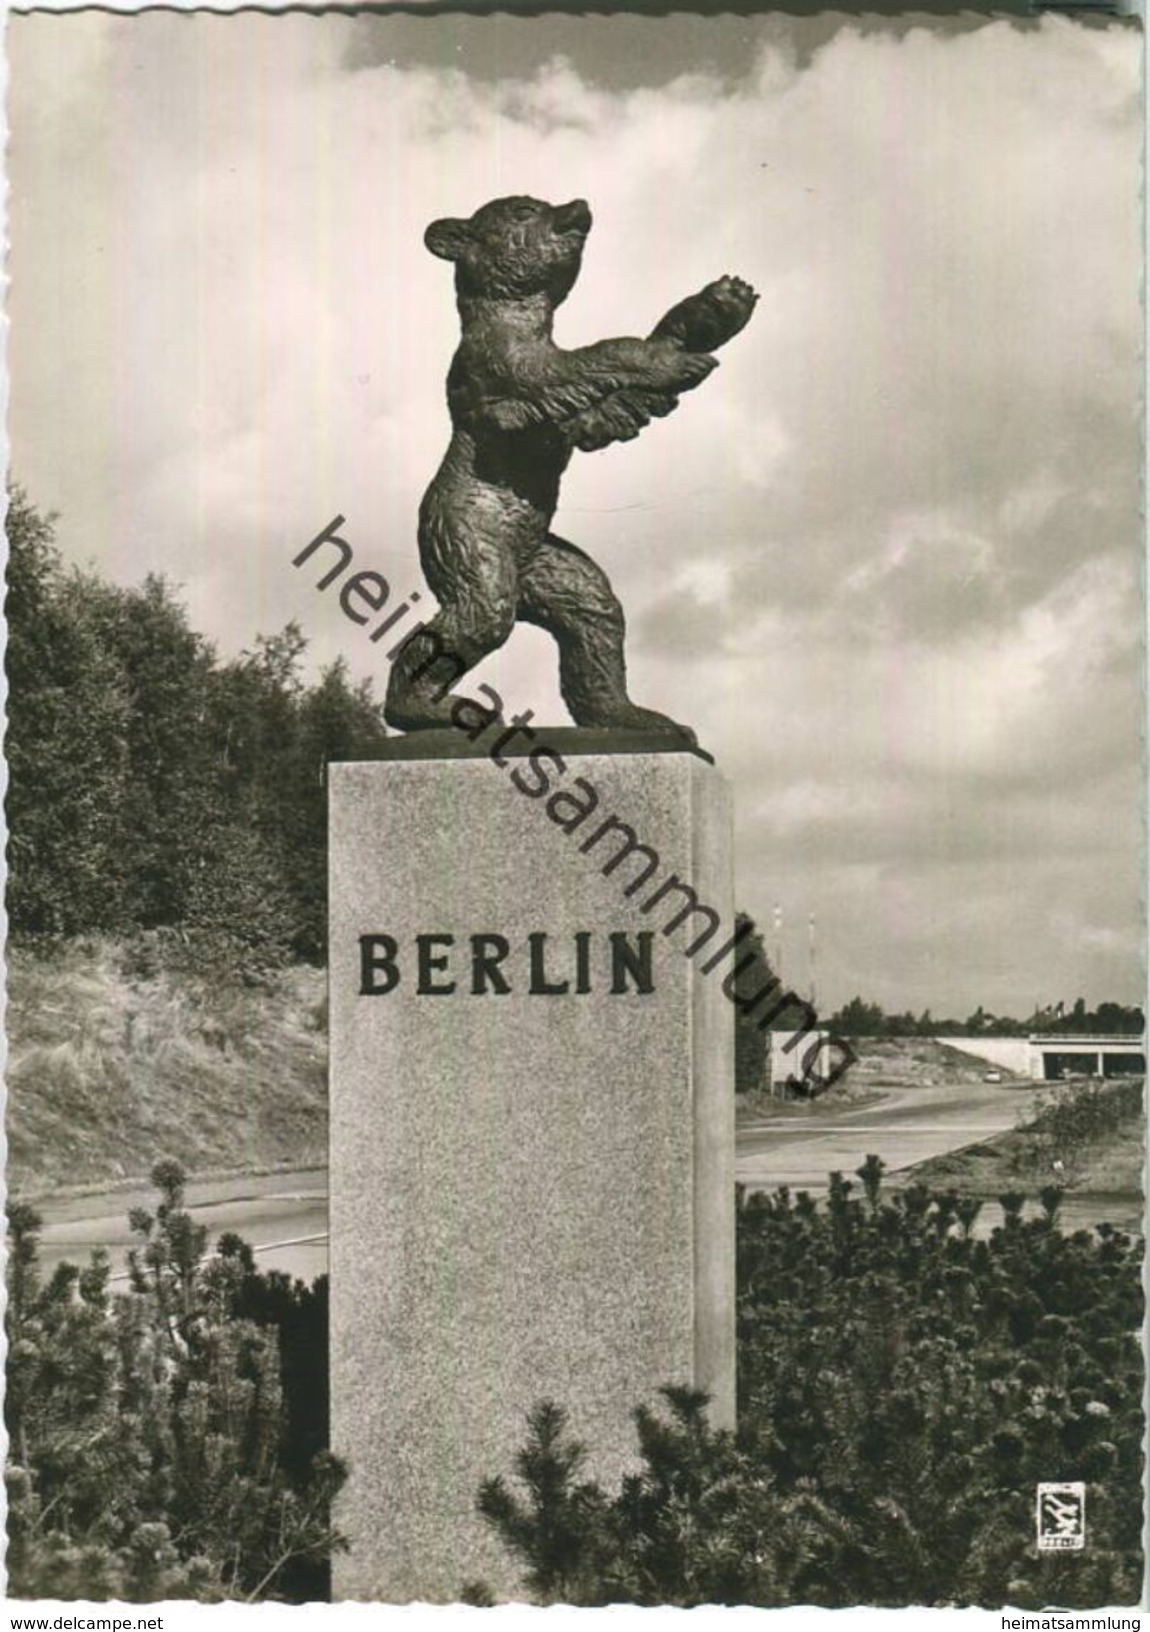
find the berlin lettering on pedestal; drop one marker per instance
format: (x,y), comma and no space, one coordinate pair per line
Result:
(486,965)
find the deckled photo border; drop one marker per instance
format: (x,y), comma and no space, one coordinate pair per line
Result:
(1021,12)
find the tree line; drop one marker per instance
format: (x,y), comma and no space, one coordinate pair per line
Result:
(151,784)
(859,1018)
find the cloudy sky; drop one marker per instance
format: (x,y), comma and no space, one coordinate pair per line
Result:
(886,561)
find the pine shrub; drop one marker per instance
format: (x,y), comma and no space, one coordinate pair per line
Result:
(903,1388)
(150,1451)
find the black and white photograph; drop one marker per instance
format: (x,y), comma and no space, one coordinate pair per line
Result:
(575,811)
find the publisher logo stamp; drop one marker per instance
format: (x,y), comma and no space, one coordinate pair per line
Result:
(1061,1517)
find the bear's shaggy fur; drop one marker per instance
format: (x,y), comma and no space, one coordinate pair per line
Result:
(519,408)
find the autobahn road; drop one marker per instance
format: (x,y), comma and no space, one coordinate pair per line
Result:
(284,1215)
(802,1144)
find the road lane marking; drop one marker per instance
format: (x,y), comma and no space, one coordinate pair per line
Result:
(295,1241)
(266,1246)
(880,1127)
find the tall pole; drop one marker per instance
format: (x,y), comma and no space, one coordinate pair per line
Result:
(778,946)
(811,961)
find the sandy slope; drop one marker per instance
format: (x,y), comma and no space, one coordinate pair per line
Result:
(110,1070)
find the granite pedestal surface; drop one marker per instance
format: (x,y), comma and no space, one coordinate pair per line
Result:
(532,1146)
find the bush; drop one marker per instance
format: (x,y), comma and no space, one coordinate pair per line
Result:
(150,1451)
(903,1388)
(1074,1118)
(702,1523)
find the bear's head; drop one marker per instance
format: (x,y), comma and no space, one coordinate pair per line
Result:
(514,247)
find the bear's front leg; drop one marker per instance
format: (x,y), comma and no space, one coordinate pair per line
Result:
(706,321)
(656,364)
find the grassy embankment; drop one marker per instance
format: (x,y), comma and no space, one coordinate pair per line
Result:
(1094,1132)
(111,1064)
(1088,1138)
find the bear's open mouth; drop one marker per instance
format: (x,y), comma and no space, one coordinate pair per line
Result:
(573,217)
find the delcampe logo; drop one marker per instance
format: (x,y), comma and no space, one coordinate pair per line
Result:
(1061,1518)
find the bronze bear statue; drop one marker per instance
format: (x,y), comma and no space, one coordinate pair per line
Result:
(520,406)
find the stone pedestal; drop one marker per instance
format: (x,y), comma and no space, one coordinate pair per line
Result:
(532,1148)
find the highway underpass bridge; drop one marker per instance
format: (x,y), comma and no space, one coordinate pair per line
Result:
(1048,1057)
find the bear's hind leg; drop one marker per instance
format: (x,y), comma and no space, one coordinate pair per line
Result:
(440,653)
(565,592)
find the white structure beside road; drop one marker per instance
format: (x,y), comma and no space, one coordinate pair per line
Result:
(806,1060)
(1047,1057)
(804,1063)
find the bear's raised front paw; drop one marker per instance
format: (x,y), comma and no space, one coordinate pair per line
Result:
(705,321)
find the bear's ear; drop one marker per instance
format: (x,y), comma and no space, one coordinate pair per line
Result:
(447,238)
